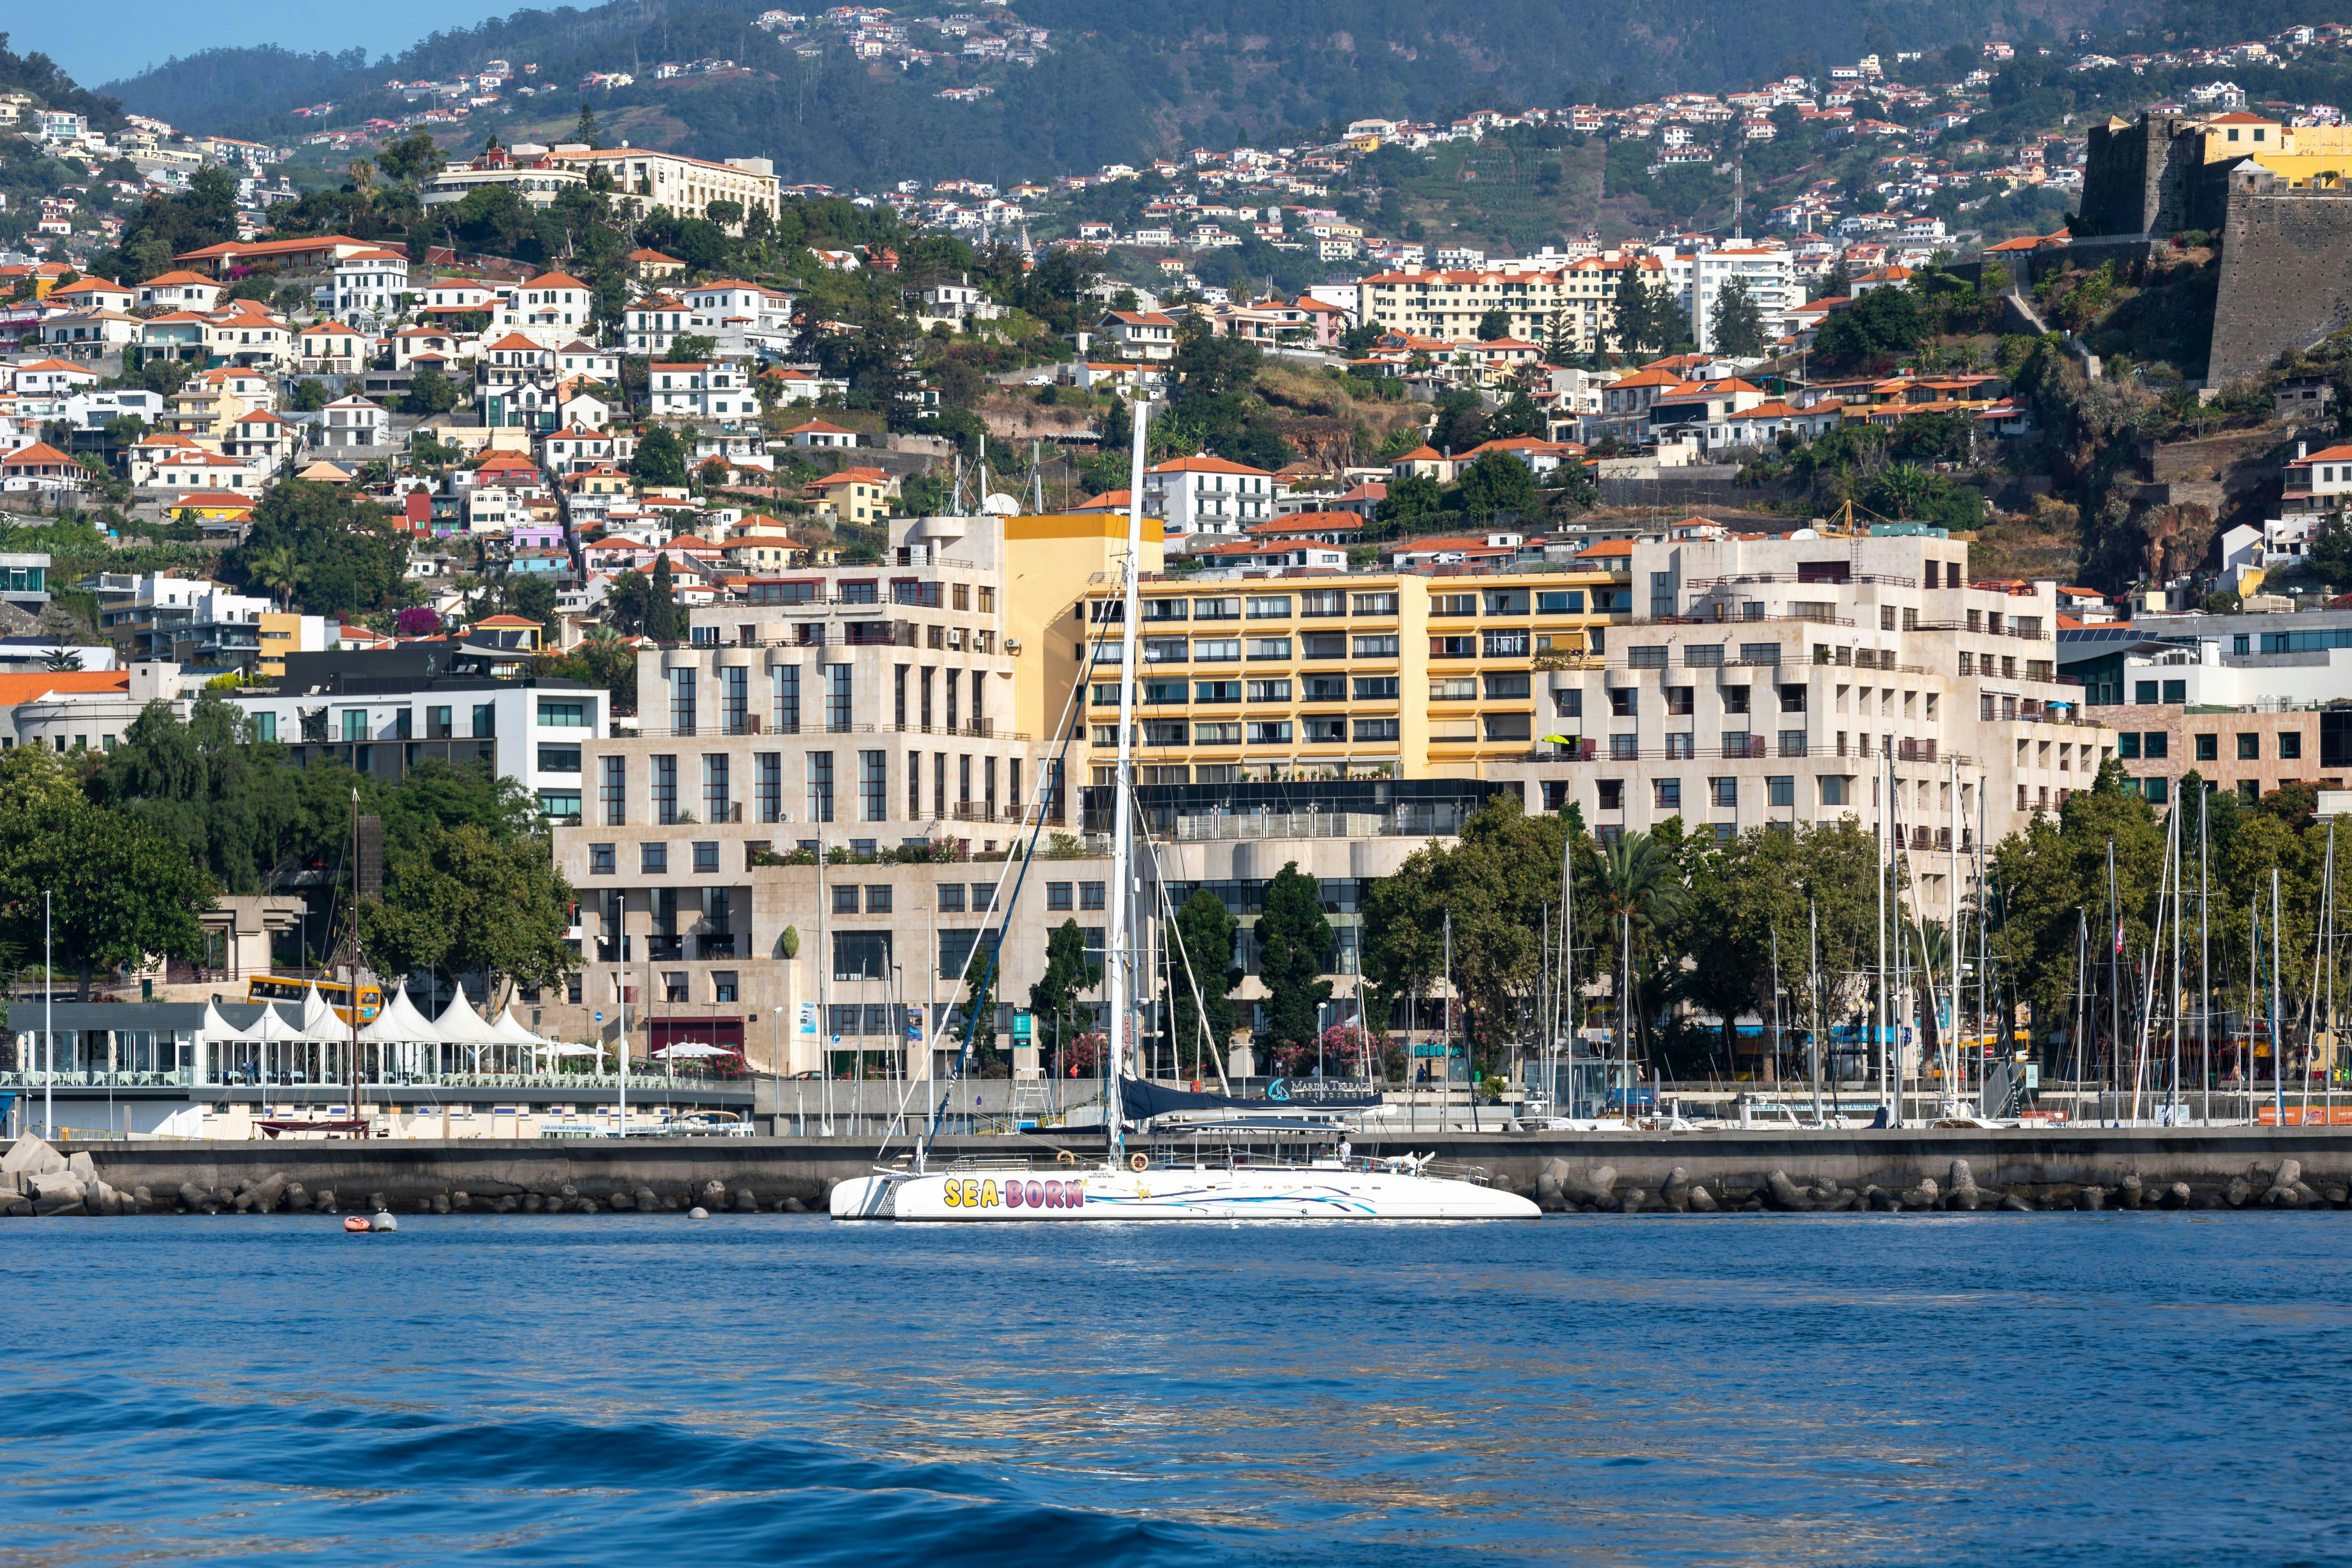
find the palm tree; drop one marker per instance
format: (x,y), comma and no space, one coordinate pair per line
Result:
(280,570)
(1641,889)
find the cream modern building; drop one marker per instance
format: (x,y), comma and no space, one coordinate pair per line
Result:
(645,179)
(1765,680)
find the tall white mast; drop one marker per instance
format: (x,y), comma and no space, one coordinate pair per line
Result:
(1951,1031)
(1120,980)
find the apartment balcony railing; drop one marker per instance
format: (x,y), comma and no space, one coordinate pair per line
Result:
(753,724)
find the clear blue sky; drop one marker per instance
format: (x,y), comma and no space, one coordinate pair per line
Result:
(99,44)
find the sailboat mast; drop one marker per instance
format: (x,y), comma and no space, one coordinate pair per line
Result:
(1952,946)
(1122,839)
(2278,1046)
(2204,960)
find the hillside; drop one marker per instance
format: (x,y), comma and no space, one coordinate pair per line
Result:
(1110,83)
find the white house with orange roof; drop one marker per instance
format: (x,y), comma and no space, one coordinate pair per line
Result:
(196,469)
(575,449)
(95,294)
(818,433)
(181,290)
(372,284)
(1140,334)
(332,348)
(43,378)
(551,309)
(261,438)
(1425,462)
(1207,495)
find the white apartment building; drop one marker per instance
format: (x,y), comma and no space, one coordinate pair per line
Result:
(1206,495)
(1767,272)
(743,316)
(65,721)
(718,391)
(848,710)
(651,324)
(384,712)
(1773,680)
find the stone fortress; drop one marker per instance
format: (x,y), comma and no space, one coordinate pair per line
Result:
(2274,193)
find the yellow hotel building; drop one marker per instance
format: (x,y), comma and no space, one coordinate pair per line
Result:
(1304,674)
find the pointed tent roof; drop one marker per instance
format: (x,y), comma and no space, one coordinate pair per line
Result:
(213,1027)
(459,1025)
(320,1024)
(509,1029)
(399,1022)
(272,1027)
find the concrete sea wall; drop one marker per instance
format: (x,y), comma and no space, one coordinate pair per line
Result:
(1729,1169)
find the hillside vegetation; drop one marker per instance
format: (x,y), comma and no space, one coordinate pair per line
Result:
(1118,82)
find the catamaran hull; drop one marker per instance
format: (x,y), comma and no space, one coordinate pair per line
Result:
(1171,1195)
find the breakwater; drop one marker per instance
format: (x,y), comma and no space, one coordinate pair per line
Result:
(1714,1171)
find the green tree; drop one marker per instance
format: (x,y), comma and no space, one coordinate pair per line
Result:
(1518,415)
(1409,498)
(464,902)
(1054,1002)
(531,595)
(61,661)
(1205,932)
(1493,324)
(429,392)
(1293,940)
(660,458)
(1737,324)
(120,893)
(1872,331)
(664,621)
(349,555)
(412,159)
(277,570)
(586,131)
(1498,482)
(2330,553)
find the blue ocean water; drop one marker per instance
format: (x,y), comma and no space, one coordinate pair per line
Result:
(626,1390)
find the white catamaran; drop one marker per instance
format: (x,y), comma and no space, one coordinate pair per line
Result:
(1330,1183)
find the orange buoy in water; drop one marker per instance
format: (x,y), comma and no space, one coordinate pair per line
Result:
(356,1223)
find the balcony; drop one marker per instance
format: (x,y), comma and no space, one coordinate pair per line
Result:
(716,944)
(1910,750)
(659,948)
(722,811)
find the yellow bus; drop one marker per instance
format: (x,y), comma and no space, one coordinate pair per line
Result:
(333,993)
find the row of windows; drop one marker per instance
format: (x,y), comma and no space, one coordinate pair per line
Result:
(1314,646)
(817,779)
(1722,795)
(1679,701)
(2155,745)
(1314,730)
(1337,601)
(1313,688)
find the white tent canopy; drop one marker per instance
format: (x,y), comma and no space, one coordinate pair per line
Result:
(399,1022)
(688,1050)
(215,1027)
(564,1051)
(512,1032)
(271,1028)
(459,1025)
(321,1026)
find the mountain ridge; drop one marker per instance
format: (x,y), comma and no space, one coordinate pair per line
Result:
(1174,73)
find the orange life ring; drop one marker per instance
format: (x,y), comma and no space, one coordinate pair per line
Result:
(1138,1163)
(1065,1158)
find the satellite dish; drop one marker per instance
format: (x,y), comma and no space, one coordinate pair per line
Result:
(999,504)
